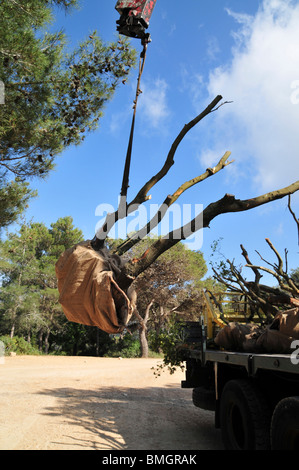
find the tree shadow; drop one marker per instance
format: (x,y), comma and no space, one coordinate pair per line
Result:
(123,418)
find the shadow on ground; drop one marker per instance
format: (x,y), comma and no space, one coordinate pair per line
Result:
(149,418)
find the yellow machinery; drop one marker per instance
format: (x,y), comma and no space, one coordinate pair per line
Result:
(224,307)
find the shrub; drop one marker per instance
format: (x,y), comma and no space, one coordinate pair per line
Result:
(18,345)
(167,341)
(126,346)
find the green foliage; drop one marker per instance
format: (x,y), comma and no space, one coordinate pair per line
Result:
(18,345)
(29,296)
(53,97)
(295,275)
(167,341)
(14,198)
(173,283)
(29,306)
(124,346)
(74,339)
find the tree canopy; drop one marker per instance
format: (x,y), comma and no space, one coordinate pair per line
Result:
(53,96)
(29,297)
(170,287)
(29,306)
(14,199)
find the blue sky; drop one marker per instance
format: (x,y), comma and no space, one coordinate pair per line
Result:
(245,50)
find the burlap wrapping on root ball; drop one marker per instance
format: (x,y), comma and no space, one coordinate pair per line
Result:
(276,338)
(88,291)
(238,336)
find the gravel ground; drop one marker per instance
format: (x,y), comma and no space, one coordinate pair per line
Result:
(84,403)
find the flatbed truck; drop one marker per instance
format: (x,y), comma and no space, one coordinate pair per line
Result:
(255,397)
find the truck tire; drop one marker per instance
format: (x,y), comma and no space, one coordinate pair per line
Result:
(244,417)
(285,425)
(204,398)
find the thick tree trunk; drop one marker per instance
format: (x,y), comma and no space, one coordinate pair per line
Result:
(143,340)
(143,329)
(47,341)
(97,342)
(40,341)
(12,330)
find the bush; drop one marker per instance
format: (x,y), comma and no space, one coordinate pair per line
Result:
(18,345)
(167,341)
(126,346)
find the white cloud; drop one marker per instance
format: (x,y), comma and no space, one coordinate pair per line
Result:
(152,106)
(118,119)
(262,124)
(213,48)
(191,83)
(153,102)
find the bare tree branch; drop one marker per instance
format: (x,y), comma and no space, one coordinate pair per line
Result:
(142,196)
(225,205)
(294,215)
(279,258)
(285,282)
(170,199)
(257,274)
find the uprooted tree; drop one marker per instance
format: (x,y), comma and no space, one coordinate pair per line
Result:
(264,300)
(228,204)
(97,284)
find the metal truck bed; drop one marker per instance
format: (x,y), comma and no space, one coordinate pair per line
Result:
(251,361)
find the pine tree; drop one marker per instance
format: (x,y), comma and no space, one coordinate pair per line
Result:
(53,98)
(29,296)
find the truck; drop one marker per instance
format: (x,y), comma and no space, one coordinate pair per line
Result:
(254,397)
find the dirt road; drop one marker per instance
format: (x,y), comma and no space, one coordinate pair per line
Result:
(68,403)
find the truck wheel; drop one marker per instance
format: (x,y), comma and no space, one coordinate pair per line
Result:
(285,425)
(244,417)
(204,398)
